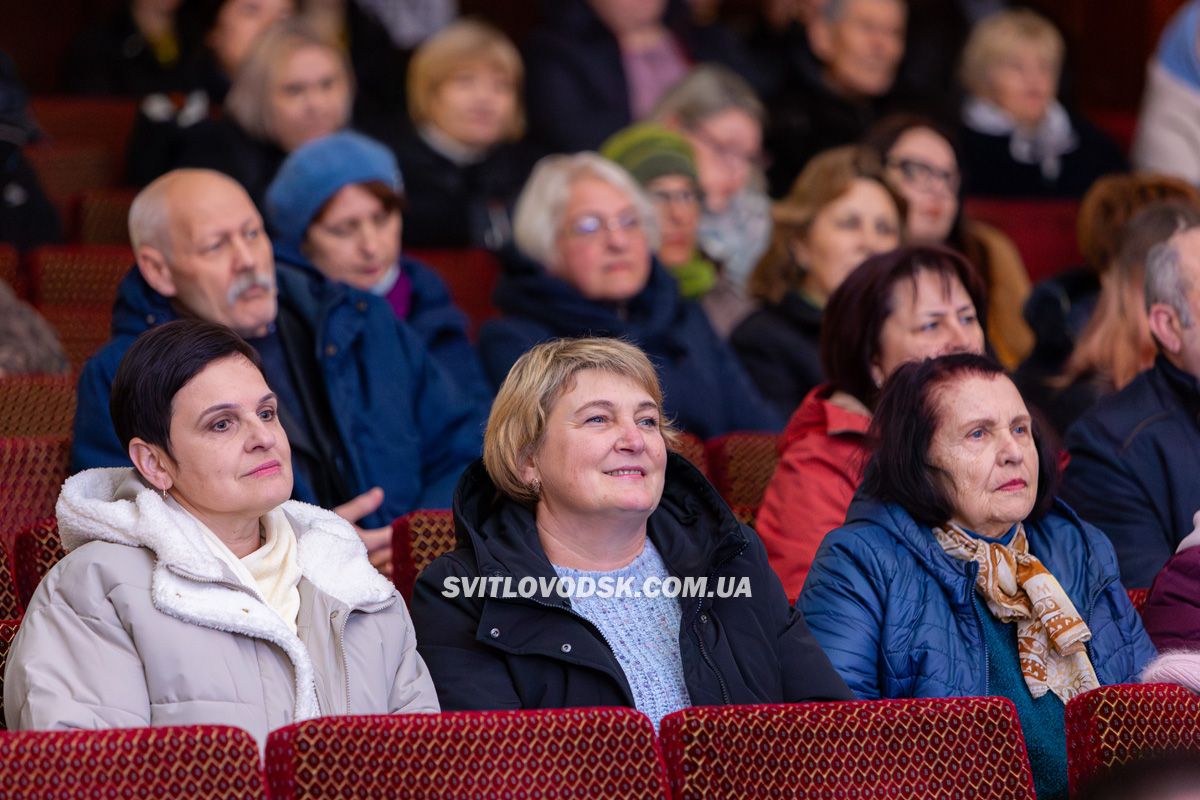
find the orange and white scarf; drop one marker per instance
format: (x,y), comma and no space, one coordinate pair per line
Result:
(1018,588)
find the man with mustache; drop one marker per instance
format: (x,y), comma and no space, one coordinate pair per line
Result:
(376,427)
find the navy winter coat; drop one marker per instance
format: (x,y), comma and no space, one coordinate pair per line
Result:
(706,391)
(508,653)
(402,423)
(1135,468)
(895,613)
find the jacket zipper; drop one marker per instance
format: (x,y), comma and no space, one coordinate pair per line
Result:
(345,661)
(987,660)
(700,639)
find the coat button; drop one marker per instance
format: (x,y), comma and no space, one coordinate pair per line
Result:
(494,633)
(361,305)
(151,319)
(566,648)
(333,615)
(331,350)
(704,617)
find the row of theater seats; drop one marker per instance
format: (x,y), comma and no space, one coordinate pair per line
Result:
(933,749)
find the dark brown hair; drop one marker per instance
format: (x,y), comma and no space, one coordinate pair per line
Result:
(857,310)
(903,428)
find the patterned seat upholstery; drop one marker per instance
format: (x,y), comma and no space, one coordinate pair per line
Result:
(740,465)
(606,753)
(83,330)
(470,274)
(37,405)
(1138,598)
(35,551)
(692,448)
(197,762)
(32,471)
(927,748)
(8,632)
(417,539)
(10,270)
(1114,725)
(78,275)
(104,216)
(1042,230)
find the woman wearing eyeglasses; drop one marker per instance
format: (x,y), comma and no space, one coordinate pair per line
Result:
(922,165)
(585,234)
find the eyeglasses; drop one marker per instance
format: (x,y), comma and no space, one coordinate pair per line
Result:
(926,176)
(590,226)
(729,153)
(667,197)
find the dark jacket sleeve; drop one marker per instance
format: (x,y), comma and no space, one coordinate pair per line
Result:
(501,343)
(467,674)
(841,603)
(1172,611)
(748,410)
(1101,486)
(94,441)
(807,672)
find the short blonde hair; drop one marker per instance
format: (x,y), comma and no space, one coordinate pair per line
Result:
(517,424)
(998,35)
(249,96)
(540,208)
(461,43)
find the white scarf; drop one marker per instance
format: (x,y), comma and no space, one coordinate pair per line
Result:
(1044,145)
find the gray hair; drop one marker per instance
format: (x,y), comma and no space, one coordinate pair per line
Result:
(1166,281)
(706,91)
(148,216)
(540,208)
(248,102)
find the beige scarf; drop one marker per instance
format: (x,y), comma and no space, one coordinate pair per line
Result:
(1018,588)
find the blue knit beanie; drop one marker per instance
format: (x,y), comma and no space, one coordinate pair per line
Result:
(316,172)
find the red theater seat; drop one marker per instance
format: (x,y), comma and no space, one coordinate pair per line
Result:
(928,749)
(740,465)
(37,405)
(470,275)
(1114,725)
(608,753)
(32,470)
(418,538)
(1043,230)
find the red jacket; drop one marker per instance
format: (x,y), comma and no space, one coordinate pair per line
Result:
(822,456)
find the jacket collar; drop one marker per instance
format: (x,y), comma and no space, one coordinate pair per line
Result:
(801,312)
(692,528)
(1183,384)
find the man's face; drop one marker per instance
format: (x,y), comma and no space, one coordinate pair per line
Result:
(1188,355)
(220,262)
(862,49)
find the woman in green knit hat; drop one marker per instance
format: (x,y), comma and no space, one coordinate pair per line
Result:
(662,162)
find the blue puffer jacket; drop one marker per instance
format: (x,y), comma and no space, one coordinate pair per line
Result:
(403,424)
(438,323)
(706,392)
(894,612)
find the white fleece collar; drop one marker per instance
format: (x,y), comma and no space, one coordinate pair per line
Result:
(191,584)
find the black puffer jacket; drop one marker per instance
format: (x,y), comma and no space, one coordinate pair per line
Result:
(501,653)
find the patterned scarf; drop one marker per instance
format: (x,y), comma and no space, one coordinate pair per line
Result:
(1018,588)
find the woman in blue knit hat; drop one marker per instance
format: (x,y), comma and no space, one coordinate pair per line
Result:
(335,206)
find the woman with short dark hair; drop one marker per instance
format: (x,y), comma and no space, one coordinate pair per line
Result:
(198,551)
(959,573)
(900,306)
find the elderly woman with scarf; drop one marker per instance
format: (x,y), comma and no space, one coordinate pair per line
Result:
(958,573)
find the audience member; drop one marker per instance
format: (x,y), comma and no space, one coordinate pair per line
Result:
(1060,306)
(721,117)
(374,423)
(958,573)
(576,484)
(905,305)
(27,217)
(292,88)
(335,206)
(1168,129)
(663,163)
(194,592)
(215,37)
(922,165)
(1116,344)
(134,52)
(586,234)
(839,212)
(1135,455)
(1172,610)
(1170,776)
(464,161)
(1018,140)
(595,66)
(28,344)
(857,46)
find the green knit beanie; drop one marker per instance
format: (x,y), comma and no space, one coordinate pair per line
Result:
(648,151)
